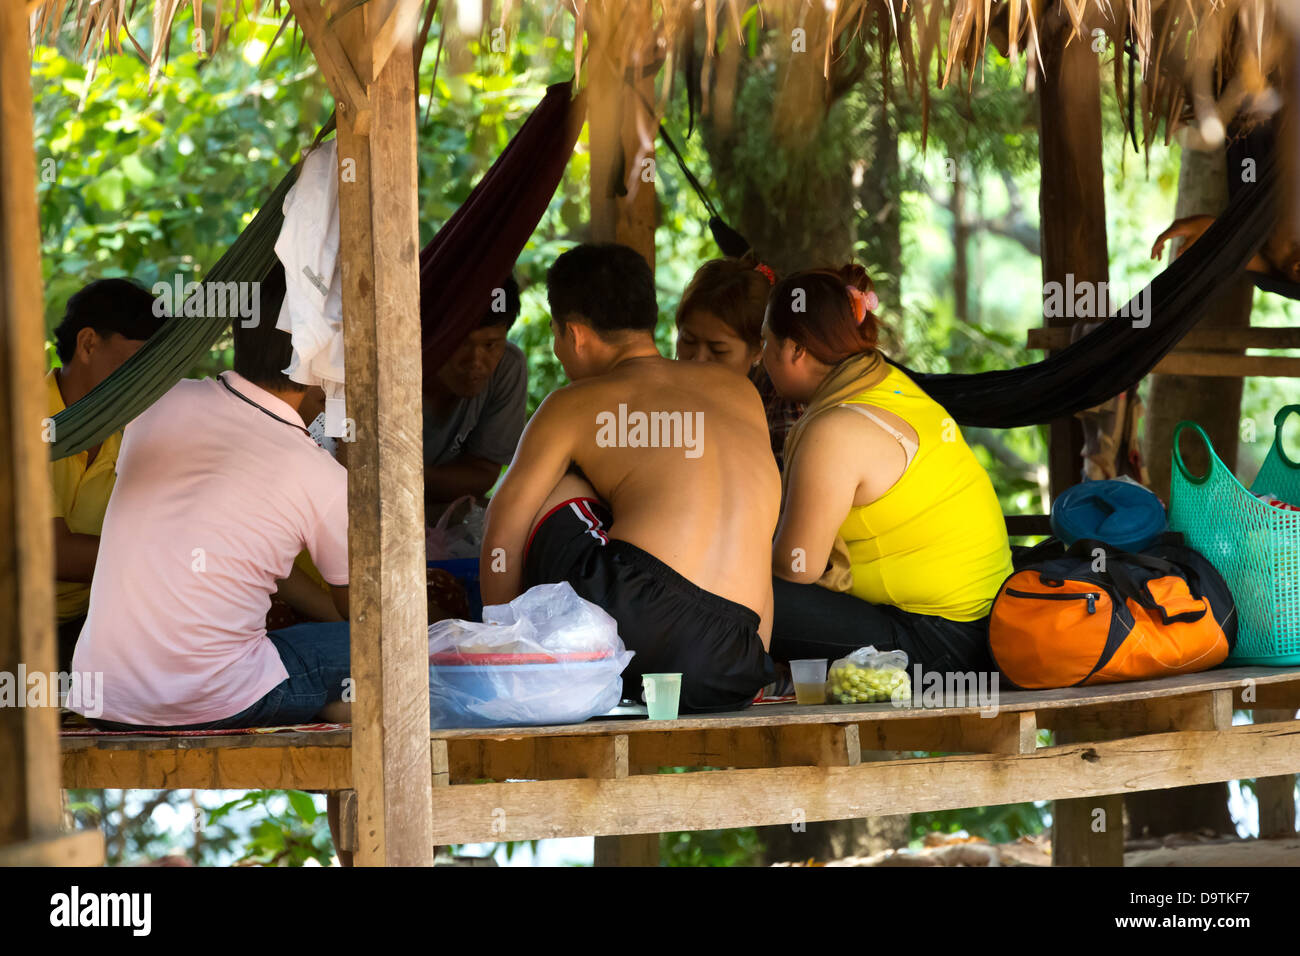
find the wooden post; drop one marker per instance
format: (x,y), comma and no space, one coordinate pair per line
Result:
(1072,199)
(1275,795)
(620,84)
(639,849)
(1072,203)
(31,808)
(366,57)
(1088,831)
(620,125)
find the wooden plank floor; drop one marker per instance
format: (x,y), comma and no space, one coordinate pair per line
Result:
(768,736)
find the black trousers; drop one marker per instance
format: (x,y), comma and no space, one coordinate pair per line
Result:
(812,622)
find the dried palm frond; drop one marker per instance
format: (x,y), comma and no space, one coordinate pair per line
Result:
(1195,60)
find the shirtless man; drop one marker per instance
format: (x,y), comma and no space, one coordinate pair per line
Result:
(647,484)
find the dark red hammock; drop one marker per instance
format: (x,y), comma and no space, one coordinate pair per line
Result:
(473,253)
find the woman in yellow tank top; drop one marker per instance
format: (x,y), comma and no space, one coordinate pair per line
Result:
(891,533)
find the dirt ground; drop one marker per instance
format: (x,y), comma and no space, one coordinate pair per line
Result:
(1177,850)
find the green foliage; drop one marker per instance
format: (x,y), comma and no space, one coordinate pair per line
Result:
(149,183)
(739,847)
(291,831)
(995,824)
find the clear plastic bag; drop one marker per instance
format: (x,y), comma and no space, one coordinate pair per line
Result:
(869,676)
(448,540)
(547,657)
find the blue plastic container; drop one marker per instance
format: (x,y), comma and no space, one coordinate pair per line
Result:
(465,570)
(503,690)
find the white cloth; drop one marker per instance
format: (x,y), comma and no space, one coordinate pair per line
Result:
(312,312)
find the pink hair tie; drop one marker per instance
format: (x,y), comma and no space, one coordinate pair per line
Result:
(862,302)
(767,271)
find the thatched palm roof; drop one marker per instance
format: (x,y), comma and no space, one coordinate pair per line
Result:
(1191,58)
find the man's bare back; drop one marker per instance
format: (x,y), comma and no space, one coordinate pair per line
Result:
(706,501)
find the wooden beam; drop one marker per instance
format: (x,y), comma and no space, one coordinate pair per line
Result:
(1009,733)
(1072,195)
(1229,366)
(1205,340)
(379,249)
(350,96)
(78,848)
(31,807)
(537,758)
(1028,525)
(177,768)
(1254,696)
(399,28)
(806,745)
(711,800)
(1201,711)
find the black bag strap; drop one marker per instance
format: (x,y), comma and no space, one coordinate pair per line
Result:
(1119,568)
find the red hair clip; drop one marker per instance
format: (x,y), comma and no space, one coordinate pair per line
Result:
(767,271)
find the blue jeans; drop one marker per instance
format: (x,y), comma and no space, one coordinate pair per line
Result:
(318,659)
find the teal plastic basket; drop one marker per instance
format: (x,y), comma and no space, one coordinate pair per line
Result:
(1255,546)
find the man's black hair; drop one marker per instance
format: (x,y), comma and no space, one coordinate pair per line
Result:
(509,309)
(262,351)
(110,307)
(609,285)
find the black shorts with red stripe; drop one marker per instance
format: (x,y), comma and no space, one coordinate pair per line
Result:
(671,624)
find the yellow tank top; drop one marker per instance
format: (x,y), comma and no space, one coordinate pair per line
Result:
(936,542)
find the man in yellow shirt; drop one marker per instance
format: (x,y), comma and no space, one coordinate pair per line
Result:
(104,325)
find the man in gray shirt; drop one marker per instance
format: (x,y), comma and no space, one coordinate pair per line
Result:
(475,411)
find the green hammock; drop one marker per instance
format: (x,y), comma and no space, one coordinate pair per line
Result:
(173,351)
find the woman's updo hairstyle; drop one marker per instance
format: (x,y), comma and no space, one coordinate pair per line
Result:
(817,310)
(735,290)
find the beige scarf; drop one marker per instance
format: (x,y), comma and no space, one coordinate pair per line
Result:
(850,378)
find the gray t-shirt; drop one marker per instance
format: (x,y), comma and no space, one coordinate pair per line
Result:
(487,425)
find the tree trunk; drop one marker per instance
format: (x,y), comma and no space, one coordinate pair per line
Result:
(1215,404)
(960,249)
(878,195)
(792,195)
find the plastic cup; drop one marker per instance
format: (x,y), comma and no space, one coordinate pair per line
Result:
(809,678)
(662,693)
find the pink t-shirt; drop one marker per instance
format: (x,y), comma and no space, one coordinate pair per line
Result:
(214,500)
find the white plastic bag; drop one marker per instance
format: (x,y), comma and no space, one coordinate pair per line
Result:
(869,676)
(547,657)
(446,541)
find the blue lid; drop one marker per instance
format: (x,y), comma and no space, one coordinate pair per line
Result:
(1121,514)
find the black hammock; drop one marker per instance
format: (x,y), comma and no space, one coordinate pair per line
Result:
(1116,355)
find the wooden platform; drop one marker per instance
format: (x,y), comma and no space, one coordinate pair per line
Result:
(774,764)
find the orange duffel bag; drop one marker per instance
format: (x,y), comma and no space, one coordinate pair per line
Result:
(1095,615)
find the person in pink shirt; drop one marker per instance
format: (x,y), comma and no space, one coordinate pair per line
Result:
(219,487)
